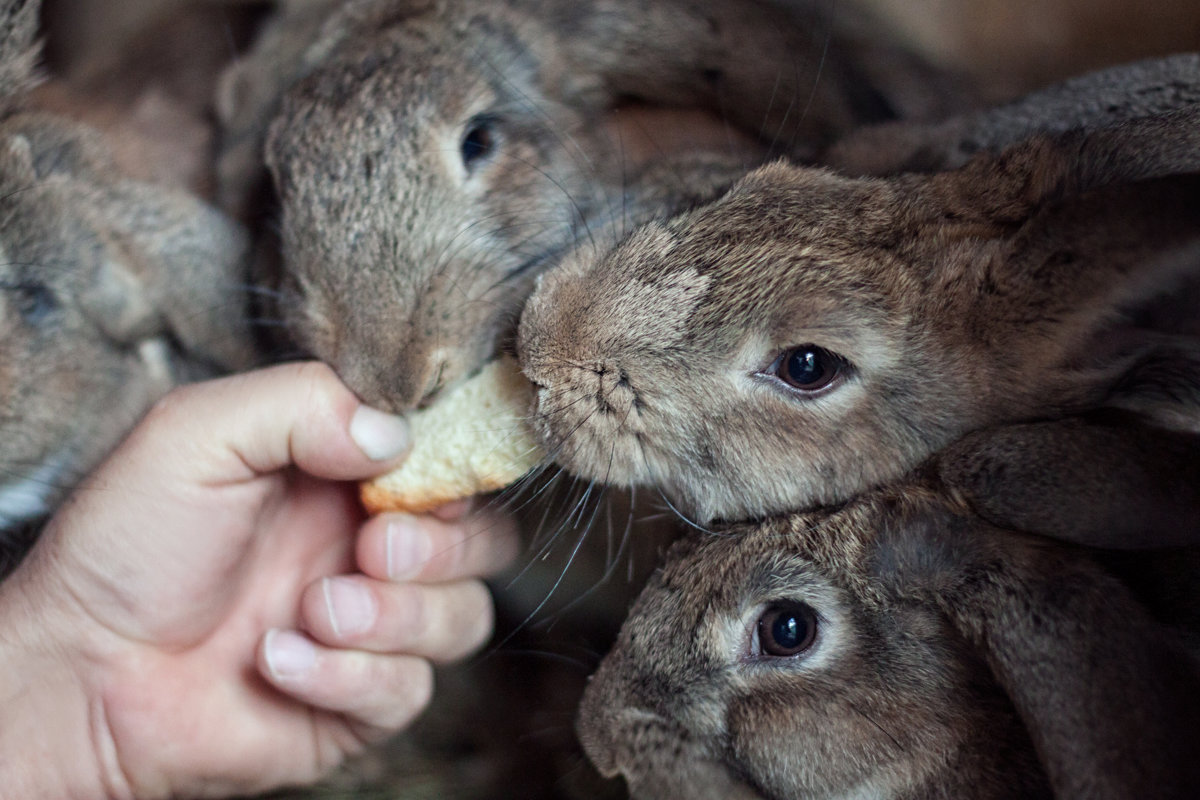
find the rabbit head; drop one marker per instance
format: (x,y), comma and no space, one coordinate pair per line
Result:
(774,660)
(808,335)
(424,179)
(111,291)
(897,647)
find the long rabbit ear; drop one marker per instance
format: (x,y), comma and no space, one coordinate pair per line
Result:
(18,50)
(185,273)
(1043,169)
(1107,479)
(1111,699)
(1036,267)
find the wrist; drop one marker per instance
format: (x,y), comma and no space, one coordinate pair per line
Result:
(54,738)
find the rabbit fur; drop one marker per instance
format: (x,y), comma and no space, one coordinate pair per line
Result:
(1094,100)
(405,257)
(950,659)
(112,290)
(1007,290)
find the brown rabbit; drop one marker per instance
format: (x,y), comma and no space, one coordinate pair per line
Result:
(111,291)
(895,647)
(809,335)
(431,157)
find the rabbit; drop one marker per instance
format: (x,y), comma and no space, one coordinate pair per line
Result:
(894,647)
(1093,100)
(430,158)
(112,291)
(809,335)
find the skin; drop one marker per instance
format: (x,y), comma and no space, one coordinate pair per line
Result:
(210,614)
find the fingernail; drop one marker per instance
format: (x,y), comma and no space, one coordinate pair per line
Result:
(408,548)
(380,436)
(289,655)
(351,607)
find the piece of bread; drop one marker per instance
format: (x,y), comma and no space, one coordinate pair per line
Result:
(474,439)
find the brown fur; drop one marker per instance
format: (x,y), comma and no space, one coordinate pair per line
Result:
(403,268)
(960,300)
(1013,46)
(1094,100)
(1066,478)
(951,660)
(148,83)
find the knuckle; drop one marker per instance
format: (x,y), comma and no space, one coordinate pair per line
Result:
(450,557)
(483,625)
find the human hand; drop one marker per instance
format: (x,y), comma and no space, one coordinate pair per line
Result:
(188,623)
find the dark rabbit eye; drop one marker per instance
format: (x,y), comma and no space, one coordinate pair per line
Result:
(808,367)
(34,301)
(479,142)
(786,629)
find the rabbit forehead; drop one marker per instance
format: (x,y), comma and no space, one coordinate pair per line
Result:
(764,276)
(414,74)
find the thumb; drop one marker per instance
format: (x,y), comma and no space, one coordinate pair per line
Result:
(246,425)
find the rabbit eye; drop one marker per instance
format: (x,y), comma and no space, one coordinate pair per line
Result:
(808,368)
(34,301)
(479,142)
(786,629)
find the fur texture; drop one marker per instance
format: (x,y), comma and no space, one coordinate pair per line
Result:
(111,291)
(431,158)
(1094,100)
(950,659)
(1010,289)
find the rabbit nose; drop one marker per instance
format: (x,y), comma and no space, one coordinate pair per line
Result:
(394,387)
(418,383)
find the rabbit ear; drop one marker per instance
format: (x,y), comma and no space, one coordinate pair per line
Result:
(186,271)
(18,50)
(1036,273)
(1107,479)
(1110,698)
(1043,169)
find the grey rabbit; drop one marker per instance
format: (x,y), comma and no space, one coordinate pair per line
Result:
(431,157)
(894,647)
(112,290)
(809,335)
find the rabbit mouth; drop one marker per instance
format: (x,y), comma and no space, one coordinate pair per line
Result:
(591,436)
